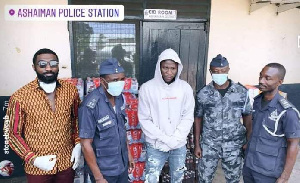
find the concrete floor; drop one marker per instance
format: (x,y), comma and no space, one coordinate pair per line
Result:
(295,176)
(219,177)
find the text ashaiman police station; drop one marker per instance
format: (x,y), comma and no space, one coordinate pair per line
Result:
(43,12)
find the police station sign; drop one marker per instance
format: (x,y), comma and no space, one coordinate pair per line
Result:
(161,14)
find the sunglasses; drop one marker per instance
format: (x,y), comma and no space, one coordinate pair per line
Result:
(52,63)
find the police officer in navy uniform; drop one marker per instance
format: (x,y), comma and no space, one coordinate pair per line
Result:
(102,127)
(273,146)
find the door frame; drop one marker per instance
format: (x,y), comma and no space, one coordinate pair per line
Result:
(200,84)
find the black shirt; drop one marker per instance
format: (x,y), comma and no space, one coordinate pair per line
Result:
(223,91)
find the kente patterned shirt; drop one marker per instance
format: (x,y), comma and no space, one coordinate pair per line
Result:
(36,130)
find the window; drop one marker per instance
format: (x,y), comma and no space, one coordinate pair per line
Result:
(96,41)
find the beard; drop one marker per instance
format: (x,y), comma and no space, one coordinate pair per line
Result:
(47,79)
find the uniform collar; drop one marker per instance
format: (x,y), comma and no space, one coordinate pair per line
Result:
(231,89)
(102,92)
(272,103)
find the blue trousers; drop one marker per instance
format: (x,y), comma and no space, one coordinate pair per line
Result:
(122,178)
(156,160)
(251,176)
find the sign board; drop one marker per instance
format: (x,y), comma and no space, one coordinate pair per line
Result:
(160,14)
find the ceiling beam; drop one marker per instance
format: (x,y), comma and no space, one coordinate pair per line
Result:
(285,1)
(285,7)
(275,1)
(256,6)
(260,1)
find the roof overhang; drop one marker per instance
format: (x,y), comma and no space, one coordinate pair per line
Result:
(282,5)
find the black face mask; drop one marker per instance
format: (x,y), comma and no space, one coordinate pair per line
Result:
(47,79)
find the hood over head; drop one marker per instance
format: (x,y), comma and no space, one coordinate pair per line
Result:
(168,54)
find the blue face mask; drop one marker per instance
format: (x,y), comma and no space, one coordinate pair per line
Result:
(115,88)
(220,79)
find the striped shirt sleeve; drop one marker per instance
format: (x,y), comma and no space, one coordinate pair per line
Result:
(16,124)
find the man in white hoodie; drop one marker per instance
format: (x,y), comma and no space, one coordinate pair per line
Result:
(166,108)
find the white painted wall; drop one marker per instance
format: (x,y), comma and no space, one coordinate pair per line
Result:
(20,40)
(250,41)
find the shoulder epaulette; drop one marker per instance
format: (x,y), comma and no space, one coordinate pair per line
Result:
(284,103)
(242,85)
(92,101)
(298,113)
(201,88)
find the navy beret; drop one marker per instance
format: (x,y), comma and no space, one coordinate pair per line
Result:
(219,61)
(110,66)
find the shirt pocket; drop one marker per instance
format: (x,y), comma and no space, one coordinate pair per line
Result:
(211,110)
(238,108)
(209,105)
(108,158)
(266,156)
(106,129)
(270,125)
(238,105)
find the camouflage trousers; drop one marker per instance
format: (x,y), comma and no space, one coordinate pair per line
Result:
(231,163)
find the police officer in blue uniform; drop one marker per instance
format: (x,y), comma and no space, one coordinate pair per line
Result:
(220,105)
(273,146)
(102,127)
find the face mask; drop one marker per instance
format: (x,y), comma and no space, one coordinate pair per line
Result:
(48,87)
(219,79)
(115,88)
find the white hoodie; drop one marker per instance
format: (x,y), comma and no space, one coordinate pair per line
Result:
(166,112)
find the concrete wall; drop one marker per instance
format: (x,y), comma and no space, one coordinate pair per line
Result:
(20,40)
(250,41)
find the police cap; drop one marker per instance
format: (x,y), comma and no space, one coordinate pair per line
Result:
(219,61)
(110,66)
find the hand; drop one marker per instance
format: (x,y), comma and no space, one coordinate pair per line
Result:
(243,150)
(282,180)
(198,151)
(245,146)
(171,142)
(4,169)
(162,146)
(131,163)
(45,163)
(101,180)
(76,153)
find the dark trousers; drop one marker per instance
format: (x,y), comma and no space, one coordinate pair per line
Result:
(65,176)
(122,178)
(251,176)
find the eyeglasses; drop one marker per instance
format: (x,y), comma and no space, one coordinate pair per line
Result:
(52,63)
